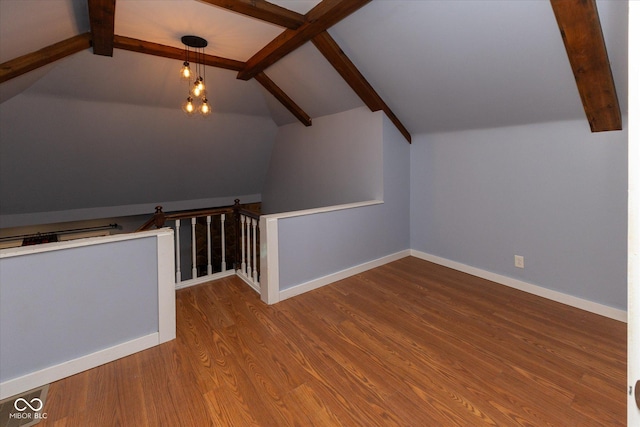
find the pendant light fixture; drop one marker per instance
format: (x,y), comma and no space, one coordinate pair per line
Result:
(196,101)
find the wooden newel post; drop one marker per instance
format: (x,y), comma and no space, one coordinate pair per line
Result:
(158,217)
(236,226)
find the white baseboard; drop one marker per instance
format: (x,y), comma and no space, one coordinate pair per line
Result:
(113,350)
(249,281)
(560,297)
(50,374)
(204,279)
(343,274)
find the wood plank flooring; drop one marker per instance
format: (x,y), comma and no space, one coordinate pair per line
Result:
(407,344)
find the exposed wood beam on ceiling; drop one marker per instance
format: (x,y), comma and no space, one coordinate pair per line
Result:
(102,15)
(171,52)
(44,56)
(350,73)
(582,34)
(262,10)
(150,48)
(284,99)
(324,15)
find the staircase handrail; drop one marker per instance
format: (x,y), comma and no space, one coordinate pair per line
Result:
(159,217)
(245,241)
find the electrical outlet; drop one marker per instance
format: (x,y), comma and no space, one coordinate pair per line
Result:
(519,261)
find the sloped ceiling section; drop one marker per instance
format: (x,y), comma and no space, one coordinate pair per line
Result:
(450,65)
(448,56)
(437,65)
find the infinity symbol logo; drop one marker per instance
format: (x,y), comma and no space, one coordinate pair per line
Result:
(37,405)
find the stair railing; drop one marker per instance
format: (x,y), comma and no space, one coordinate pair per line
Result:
(236,246)
(249,243)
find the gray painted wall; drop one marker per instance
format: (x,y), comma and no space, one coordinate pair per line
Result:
(554,193)
(68,155)
(333,162)
(313,246)
(78,301)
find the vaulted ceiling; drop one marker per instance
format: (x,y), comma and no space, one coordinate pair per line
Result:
(80,129)
(430,65)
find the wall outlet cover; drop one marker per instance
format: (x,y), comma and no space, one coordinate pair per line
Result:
(519,261)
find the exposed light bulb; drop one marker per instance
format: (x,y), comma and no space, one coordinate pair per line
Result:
(185,71)
(205,108)
(195,78)
(188,106)
(198,87)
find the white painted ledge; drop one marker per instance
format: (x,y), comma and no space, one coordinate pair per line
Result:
(78,243)
(322,210)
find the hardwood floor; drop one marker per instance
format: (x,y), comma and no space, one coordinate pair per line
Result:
(407,344)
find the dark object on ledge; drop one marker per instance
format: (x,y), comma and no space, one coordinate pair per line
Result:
(40,238)
(52,236)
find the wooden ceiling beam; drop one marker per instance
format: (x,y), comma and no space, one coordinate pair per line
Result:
(347,69)
(156,49)
(102,14)
(284,99)
(354,78)
(582,35)
(171,52)
(49,54)
(44,56)
(262,10)
(324,15)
